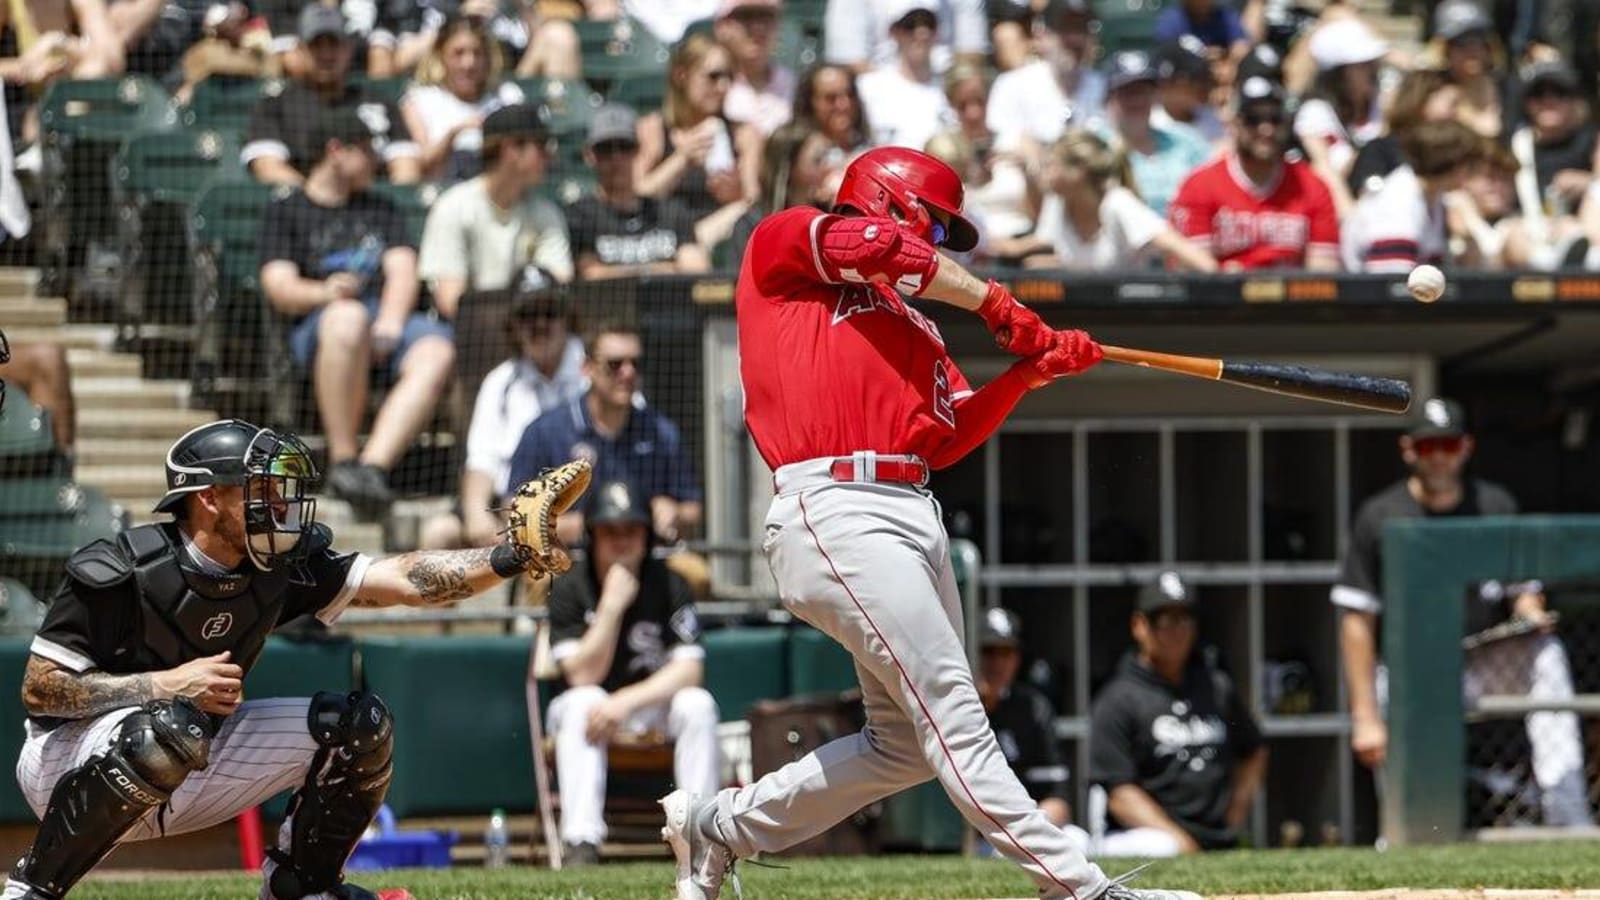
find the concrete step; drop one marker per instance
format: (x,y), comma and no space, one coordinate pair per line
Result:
(26,312)
(18,282)
(102,364)
(161,424)
(129,393)
(81,337)
(126,482)
(122,452)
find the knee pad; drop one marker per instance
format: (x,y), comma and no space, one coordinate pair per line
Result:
(342,792)
(165,741)
(94,805)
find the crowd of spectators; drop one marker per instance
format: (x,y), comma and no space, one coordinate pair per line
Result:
(1238,140)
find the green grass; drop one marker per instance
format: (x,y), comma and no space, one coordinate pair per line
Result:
(1542,865)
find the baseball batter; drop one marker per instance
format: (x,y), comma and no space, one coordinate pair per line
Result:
(852,398)
(137,728)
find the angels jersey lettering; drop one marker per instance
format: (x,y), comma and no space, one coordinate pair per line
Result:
(1247,227)
(830,369)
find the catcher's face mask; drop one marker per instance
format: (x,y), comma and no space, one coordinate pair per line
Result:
(277,511)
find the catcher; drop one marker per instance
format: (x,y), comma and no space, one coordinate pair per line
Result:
(136,723)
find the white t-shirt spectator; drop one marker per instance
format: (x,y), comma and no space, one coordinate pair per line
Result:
(442,111)
(1002,200)
(1127,227)
(902,112)
(467,236)
(669,19)
(1028,100)
(767,109)
(1318,121)
(858,31)
(513,394)
(1394,228)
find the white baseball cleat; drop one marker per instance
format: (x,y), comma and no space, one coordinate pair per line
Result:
(702,862)
(1118,890)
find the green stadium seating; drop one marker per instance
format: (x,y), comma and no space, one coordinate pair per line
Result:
(154,176)
(809,15)
(225,103)
(799,44)
(620,49)
(644,94)
(413,202)
(47,497)
(231,315)
(389,90)
(27,446)
(1127,24)
(83,123)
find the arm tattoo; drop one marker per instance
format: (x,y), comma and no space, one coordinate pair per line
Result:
(444,576)
(49,690)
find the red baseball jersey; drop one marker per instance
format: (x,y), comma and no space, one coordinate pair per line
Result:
(829,369)
(1245,227)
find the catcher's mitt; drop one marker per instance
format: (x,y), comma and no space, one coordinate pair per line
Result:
(533,512)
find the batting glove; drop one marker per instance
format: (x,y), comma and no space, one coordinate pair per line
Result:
(1016,328)
(1070,352)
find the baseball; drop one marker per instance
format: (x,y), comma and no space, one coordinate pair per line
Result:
(1426,284)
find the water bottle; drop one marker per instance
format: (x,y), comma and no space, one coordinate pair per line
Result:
(496,840)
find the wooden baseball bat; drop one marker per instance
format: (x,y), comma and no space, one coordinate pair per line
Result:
(1365,391)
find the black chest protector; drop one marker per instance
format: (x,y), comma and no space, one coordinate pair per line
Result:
(186,615)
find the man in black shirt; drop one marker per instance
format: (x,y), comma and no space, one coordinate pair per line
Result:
(136,725)
(1023,721)
(281,143)
(1436,450)
(339,261)
(615,232)
(624,633)
(1170,738)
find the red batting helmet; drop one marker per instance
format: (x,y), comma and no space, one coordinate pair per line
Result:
(901,183)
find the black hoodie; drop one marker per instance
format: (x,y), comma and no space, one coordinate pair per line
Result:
(1180,744)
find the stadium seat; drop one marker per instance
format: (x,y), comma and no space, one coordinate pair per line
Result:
(83,123)
(154,177)
(232,317)
(36,548)
(225,103)
(645,94)
(20,610)
(799,44)
(36,498)
(1127,24)
(389,90)
(620,49)
(27,447)
(810,16)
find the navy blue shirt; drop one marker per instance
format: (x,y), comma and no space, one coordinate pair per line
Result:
(648,454)
(1221,29)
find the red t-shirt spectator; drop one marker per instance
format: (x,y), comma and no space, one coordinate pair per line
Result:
(1250,227)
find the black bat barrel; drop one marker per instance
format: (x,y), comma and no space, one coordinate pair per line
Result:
(1365,391)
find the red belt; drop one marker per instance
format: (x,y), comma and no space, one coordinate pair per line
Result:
(884,469)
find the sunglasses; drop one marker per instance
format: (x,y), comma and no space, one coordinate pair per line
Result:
(612,148)
(1431,446)
(1550,92)
(615,366)
(1255,118)
(719,75)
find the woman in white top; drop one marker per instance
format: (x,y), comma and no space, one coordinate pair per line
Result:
(455,88)
(997,180)
(1345,110)
(1091,222)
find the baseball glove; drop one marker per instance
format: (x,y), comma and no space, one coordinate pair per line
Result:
(533,512)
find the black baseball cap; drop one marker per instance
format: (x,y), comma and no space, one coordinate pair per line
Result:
(1129,67)
(1257,88)
(1059,12)
(616,502)
(539,296)
(339,123)
(517,120)
(1168,590)
(1456,18)
(1183,58)
(1439,417)
(1000,628)
(1553,72)
(1263,60)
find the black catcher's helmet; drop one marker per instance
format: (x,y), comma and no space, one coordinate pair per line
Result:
(274,469)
